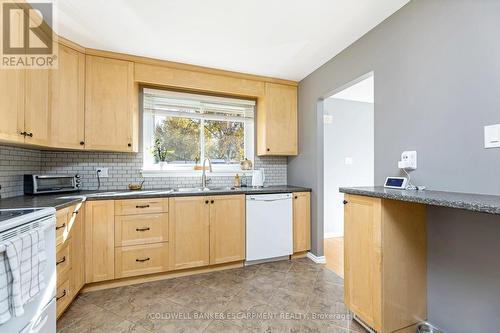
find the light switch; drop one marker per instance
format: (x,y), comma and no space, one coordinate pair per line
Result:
(492,136)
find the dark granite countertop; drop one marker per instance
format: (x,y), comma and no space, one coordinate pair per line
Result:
(469,201)
(62,200)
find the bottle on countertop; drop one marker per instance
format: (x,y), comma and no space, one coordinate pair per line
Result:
(237,181)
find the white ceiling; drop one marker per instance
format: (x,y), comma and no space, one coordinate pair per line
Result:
(362,91)
(280,38)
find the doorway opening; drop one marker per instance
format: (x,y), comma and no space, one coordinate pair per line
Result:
(348,157)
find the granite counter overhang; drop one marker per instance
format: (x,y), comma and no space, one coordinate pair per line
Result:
(481,203)
(63,200)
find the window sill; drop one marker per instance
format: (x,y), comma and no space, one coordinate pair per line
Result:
(193,173)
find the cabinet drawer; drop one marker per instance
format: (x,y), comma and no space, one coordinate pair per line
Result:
(61,226)
(141,206)
(141,259)
(63,296)
(141,229)
(63,259)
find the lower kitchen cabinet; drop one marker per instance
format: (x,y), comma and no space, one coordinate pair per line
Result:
(385,270)
(99,240)
(301,221)
(206,230)
(141,259)
(189,232)
(69,255)
(227,228)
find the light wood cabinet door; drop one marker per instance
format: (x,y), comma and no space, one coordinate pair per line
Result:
(99,240)
(36,112)
(111,119)
(76,224)
(277,121)
(227,228)
(363,259)
(67,96)
(189,232)
(12,105)
(301,221)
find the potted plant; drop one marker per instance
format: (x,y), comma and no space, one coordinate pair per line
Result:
(160,153)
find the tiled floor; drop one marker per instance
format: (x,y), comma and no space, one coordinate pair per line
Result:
(334,254)
(285,296)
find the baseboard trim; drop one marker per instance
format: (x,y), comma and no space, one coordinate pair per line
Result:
(318,260)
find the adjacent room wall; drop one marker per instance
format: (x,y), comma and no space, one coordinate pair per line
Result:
(349,135)
(437,83)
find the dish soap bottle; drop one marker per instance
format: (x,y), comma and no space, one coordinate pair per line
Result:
(237,181)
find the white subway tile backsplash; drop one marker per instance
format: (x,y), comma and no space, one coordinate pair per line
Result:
(124,168)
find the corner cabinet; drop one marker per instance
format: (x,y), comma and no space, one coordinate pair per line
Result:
(385,270)
(111,105)
(67,97)
(277,121)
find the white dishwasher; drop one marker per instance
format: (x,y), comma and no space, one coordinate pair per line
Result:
(268,226)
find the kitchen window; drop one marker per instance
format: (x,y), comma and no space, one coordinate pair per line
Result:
(181,129)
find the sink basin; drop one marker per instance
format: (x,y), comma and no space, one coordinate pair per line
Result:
(226,188)
(191,189)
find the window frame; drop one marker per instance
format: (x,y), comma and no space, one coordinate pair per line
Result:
(188,170)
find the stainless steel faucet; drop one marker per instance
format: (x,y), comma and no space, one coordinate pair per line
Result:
(204,174)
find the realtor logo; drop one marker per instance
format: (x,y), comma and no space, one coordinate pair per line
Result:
(27,36)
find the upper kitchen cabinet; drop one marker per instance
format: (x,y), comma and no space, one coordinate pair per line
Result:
(12,105)
(36,112)
(24,106)
(277,121)
(111,98)
(67,87)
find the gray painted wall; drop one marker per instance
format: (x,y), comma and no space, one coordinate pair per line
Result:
(437,83)
(350,134)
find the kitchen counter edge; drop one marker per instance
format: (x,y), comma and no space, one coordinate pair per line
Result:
(63,200)
(482,203)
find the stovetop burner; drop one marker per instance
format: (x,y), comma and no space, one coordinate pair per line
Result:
(11,213)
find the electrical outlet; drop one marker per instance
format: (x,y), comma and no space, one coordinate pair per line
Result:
(103,172)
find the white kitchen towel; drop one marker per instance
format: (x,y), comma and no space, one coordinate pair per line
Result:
(5,284)
(26,257)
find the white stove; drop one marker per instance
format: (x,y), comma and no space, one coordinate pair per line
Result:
(39,314)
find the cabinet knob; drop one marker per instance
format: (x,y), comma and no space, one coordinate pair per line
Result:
(130,145)
(211,201)
(23,133)
(296,197)
(268,149)
(345,202)
(82,143)
(29,134)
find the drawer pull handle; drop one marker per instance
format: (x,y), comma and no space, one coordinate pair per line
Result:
(61,226)
(142,260)
(61,261)
(142,229)
(142,206)
(63,294)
